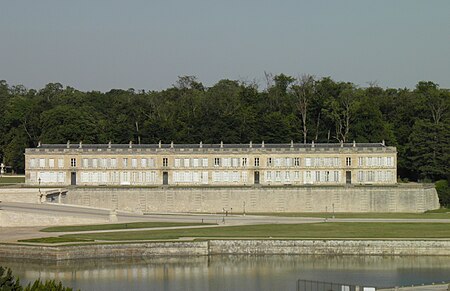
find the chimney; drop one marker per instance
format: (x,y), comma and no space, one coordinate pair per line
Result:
(383,143)
(292,143)
(201,144)
(171,144)
(251,144)
(39,144)
(109,144)
(159,144)
(68,144)
(342,144)
(221,144)
(131,144)
(81,144)
(262,144)
(354,144)
(312,144)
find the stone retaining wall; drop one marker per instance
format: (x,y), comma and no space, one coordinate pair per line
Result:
(396,198)
(227,247)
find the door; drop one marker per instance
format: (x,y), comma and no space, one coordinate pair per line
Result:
(73,178)
(165,178)
(348,177)
(256,177)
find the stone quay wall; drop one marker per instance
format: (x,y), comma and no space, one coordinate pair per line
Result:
(396,198)
(230,247)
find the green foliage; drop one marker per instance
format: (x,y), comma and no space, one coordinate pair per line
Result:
(443,190)
(7,280)
(9,283)
(301,109)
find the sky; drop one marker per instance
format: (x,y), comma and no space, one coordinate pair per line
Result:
(106,44)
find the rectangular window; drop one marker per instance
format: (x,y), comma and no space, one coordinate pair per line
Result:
(296,175)
(327,176)
(287,176)
(268,176)
(360,161)
(256,162)
(125,162)
(165,162)
(235,176)
(32,163)
(216,162)
(317,176)
(308,162)
(269,162)
(114,163)
(51,163)
(235,162)
(278,176)
(348,161)
(205,162)
(73,162)
(177,163)
(143,163)
(277,162)
(244,162)
(186,163)
(225,162)
(336,176)
(360,176)
(370,176)
(244,176)
(195,163)
(60,163)
(134,163)
(151,163)
(297,162)
(94,163)
(389,162)
(288,162)
(41,163)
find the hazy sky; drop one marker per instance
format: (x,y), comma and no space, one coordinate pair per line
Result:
(105,44)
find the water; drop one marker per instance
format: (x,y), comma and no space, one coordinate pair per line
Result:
(275,272)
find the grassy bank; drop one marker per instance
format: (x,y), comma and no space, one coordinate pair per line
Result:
(443,213)
(114,226)
(11,180)
(289,231)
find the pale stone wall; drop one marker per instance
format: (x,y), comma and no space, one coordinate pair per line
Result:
(23,219)
(222,247)
(408,198)
(25,195)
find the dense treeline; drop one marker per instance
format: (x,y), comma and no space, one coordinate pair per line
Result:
(302,109)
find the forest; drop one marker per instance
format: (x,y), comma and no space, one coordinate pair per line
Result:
(302,109)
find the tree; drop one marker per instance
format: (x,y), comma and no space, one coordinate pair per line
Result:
(7,280)
(304,90)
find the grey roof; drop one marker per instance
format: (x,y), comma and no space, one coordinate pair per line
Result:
(212,146)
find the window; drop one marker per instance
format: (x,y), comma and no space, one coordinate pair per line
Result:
(165,162)
(336,176)
(177,163)
(269,162)
(288,162)
(186,163)
(151,163)
(269,176)
(60,163)
(296,175)
(244,176)
(389,161)
(360,176)
(85,163)
(278,176)
(134,163)
(41,163)
(51,163)
(225,162)
(235,176)
(235,162)
(143,163)
(216,162)
(256,162)
(244,162)
(370,176)
(287,176)
(360,161)
(114,163)
(73,162)
(94,163)
(317,176)
(205,162)
(277,162)
(296,162)
(195,163)
(308,162)
(348,161)
(32,163)
(125,162)
(327,176)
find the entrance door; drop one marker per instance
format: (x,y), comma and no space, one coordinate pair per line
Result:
(73,178)
(165,178)
(256,177)
(348,177)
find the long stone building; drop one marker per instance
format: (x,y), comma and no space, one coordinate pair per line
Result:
(211,164)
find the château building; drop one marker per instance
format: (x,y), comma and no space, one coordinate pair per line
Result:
(211,164)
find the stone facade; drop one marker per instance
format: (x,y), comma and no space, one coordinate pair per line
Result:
(231,247)
(395,198)
(211,165)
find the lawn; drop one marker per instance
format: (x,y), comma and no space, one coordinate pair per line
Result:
(323,230)
(435,214)
(132,225)
(12,179)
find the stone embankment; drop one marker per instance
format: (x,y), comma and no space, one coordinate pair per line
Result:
(235,247)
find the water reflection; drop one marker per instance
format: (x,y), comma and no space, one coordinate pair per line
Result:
(233,272)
